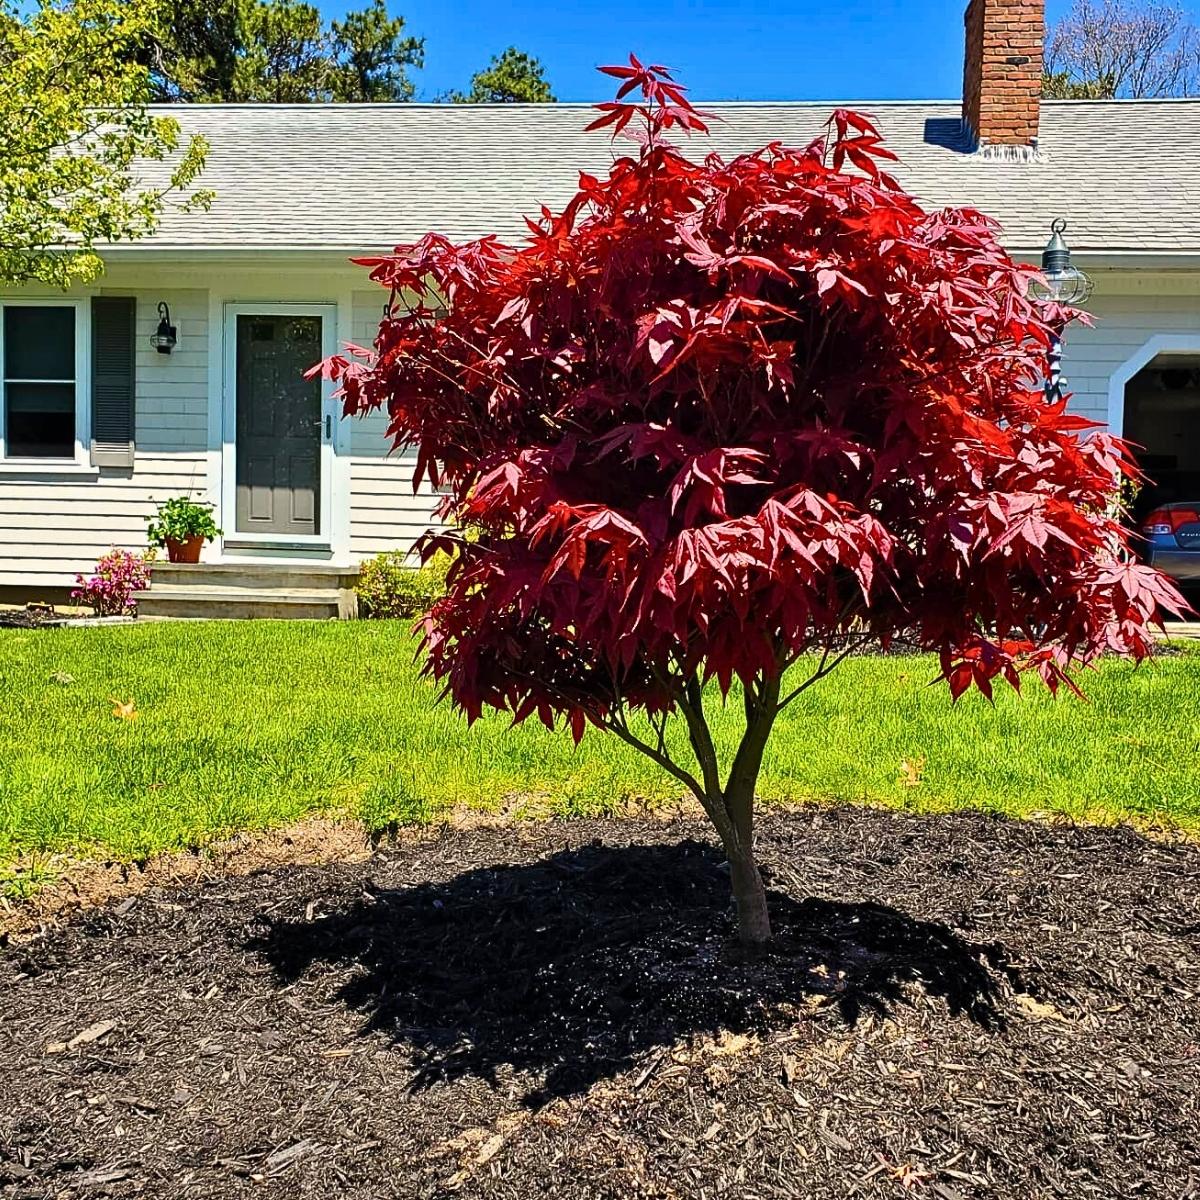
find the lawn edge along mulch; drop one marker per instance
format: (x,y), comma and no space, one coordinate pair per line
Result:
(55,888)
(61,887)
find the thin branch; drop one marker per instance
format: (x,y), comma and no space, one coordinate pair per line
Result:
(691,704)
(661,731)
(824,668)
(664,760)
(849,609)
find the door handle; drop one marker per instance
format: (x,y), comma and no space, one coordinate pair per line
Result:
(328,427)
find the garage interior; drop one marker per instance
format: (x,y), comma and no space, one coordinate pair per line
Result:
(1162,421)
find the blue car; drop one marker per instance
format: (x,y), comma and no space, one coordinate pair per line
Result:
(1172,536)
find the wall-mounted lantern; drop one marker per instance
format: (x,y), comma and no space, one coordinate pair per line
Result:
(164,338)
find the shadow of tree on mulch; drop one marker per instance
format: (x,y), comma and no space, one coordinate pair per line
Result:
(576,965)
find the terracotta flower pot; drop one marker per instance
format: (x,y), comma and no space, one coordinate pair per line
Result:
(186,551)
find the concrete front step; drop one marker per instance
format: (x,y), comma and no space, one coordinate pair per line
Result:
(243,604)
(211,587)
(301,575)
(243,591)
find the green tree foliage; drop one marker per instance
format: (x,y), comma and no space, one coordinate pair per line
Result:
(511,77)
(281,51)
(372,56)
(195,53)
(1060,86)
(81,160)
(285,56)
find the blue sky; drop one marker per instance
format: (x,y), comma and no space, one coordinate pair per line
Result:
(723,49)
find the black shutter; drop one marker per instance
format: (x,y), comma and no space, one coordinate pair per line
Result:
(114,320)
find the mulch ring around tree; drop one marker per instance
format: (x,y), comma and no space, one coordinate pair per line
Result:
(957,1006)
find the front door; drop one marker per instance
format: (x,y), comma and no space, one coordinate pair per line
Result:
(279,434)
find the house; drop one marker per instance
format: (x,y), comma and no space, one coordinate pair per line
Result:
(99,424)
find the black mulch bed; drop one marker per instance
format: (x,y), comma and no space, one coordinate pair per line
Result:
(959,1007)
(33,616)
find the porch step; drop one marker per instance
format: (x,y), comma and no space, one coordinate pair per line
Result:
(236,591)
(253,574)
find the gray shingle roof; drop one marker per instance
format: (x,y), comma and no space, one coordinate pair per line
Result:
(1125,174)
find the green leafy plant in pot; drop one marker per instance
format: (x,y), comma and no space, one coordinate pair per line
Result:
(182,526)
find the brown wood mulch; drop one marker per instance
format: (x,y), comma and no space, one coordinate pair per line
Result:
(958,1007)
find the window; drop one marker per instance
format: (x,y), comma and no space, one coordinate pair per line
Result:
(40,356)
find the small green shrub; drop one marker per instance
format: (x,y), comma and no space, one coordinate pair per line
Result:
(389,585)
(179,519)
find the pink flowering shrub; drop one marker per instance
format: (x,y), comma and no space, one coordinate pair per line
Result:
(112,589)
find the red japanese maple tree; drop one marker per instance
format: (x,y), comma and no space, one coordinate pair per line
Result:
(732,421)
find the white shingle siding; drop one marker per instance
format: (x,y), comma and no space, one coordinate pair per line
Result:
(53,525)
(385,514)
(1123,324)
(171,408)
(52,528)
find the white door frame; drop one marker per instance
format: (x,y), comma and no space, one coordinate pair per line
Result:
(1146,353)
(330,478)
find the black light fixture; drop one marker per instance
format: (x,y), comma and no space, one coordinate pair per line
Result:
(163,339)
(1059,283)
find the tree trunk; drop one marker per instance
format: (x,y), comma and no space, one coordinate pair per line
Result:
(753,920)
(731,808)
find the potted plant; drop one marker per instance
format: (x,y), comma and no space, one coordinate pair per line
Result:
(182,526)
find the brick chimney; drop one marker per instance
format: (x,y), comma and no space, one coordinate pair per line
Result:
(1002,75)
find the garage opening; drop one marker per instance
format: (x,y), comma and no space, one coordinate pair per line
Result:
(1162,420)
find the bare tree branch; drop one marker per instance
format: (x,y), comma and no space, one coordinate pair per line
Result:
(1139,49)
(824,667)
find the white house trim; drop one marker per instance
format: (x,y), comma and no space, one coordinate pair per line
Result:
(341,478)
(1160,343)
(214,454)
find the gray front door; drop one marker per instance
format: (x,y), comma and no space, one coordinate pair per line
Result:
(278,425)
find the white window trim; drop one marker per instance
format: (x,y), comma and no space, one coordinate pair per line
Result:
(80,462)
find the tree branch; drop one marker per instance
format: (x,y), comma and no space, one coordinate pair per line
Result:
(691,704)
(662,758)
(823,668)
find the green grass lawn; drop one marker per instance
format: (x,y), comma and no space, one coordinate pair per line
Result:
(244,725)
